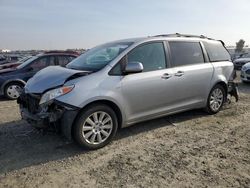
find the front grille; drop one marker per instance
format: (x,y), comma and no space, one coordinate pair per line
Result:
(248,71)
(31,102)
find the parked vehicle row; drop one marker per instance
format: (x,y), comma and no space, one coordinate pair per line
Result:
(14,64)
(242,60)
(124,82)
(13,78)
(11,58)
(245,72)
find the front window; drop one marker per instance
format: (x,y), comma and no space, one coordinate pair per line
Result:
(97,58)
(151,55)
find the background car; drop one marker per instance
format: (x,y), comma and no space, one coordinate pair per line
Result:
(242,60)
(13,79)
(245,73)
(2,59)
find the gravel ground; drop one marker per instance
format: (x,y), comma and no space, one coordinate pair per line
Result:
(190,149)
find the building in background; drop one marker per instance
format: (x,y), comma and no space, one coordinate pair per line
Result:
(5,51)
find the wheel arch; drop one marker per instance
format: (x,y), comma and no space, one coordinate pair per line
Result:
(107,102)
(12,81)
(112,105)
(224,85)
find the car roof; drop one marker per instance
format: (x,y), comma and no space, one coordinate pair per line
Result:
(175,36)
(51,53)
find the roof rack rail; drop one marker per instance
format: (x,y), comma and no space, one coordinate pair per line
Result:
(61,51)
(182,35)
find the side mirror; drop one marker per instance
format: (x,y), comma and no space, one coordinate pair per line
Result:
(133,67)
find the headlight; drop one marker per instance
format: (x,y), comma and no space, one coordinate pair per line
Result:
(52,94)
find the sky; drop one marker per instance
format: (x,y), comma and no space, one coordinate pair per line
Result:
(65,24)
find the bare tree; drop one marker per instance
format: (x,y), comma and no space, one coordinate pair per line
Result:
(240,46)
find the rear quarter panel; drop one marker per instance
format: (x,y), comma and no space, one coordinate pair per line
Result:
(222,72)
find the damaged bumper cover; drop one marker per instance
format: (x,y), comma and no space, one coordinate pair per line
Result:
(41,116)
(233,90)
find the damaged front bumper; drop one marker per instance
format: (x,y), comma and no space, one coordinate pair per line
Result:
(42,116)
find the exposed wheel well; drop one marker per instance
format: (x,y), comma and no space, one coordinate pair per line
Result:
(224,85)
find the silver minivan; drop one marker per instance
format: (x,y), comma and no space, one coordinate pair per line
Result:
(121,83)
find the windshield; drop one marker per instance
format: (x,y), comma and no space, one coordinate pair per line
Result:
(25,63)
(97,58)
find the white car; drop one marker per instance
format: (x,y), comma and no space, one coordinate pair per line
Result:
(245,73)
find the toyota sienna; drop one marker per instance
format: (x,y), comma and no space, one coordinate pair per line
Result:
(121,83)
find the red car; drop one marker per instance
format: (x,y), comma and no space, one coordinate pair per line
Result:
(14,78)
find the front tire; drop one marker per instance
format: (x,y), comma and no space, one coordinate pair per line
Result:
(11,90)
(216,99)
(95,127)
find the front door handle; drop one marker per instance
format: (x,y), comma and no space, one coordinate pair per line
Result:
(166,76)
(179,73)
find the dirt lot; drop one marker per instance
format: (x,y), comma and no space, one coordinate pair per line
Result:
(190,149)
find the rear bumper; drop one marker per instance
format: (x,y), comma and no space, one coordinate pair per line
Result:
(57,113)
(233,90)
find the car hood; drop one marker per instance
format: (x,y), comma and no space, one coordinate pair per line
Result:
(247,66)
(51,77)
(242,60)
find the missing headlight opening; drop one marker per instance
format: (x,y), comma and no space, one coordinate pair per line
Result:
(41,116)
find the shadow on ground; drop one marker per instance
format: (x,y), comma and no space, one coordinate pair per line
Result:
(23,146)
(2,98)
(244,87)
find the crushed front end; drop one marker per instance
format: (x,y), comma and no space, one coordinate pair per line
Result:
(43,116)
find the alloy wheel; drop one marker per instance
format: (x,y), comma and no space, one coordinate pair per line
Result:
(97,127)
(216,99)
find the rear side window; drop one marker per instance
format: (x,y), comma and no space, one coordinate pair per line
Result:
(63,60)
(185,53)
(151,55)
(216,51)
(52,60)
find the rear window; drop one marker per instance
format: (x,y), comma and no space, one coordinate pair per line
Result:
(216,51)
(185,53)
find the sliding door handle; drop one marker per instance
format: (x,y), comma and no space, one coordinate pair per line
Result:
(179,73)
(166,76)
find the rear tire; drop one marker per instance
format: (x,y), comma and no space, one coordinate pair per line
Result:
(11,90)
(216,99)
(95,127)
